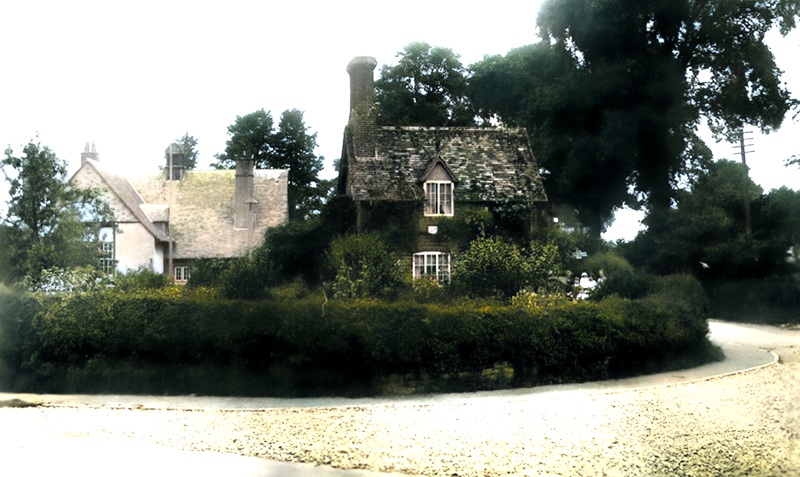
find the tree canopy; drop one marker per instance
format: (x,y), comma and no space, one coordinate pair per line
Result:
(294,150)
(291,147)
(50,224)
(618,88)
(251,138)
(427,87)
(706,233)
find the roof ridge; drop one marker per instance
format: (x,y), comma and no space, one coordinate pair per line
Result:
(496,129)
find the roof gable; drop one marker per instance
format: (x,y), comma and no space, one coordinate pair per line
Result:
(438,171)
(126,201)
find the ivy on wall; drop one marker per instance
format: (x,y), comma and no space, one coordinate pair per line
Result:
(403,225)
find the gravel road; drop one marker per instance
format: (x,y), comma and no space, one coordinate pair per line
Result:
(736,425)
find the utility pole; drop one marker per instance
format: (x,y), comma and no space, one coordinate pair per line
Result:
(170,251)
(744,138)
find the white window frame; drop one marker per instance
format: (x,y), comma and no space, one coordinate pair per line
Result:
(439,198)
(181,274)
(108,263)
(431,264)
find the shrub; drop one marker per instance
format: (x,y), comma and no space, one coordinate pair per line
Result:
(570,242)
(141,279)
(533,300)
(297,249)
(771,300)
(18,310)
(495,267)
(429,290)
(295,290)
(491,266)
(544,267)
(364,268)
(684,294)
(618,276)
(206,272)
(246,277)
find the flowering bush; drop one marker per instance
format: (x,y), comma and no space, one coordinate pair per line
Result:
(495,267)
(528,299)
(74,280)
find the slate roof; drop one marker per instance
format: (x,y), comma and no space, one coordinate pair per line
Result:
(489,164)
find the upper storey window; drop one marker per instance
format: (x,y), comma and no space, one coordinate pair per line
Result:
(438,198)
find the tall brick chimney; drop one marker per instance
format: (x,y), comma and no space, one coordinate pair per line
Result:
(362,101)
(244,202)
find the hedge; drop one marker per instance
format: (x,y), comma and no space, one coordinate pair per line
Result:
(771,300)
(166,343)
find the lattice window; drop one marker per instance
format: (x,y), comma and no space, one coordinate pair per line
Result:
(181,274)
(432,264)
(108,264)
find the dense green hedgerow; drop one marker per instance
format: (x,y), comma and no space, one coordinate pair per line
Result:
(772,300)
(168,342)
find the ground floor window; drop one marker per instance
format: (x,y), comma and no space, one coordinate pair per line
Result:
(107,263)
(432,264)
(181,274)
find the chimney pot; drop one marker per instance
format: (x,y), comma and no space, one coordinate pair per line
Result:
(90,152)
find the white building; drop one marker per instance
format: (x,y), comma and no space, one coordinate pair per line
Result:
(166,220)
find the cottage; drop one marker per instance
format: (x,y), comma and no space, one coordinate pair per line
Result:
(433,171)
(165,221)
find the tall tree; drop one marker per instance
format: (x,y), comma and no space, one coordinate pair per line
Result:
(583,157)
(7,253)
(706,231)
(251,137)
(51,224)
(777,219)
(427,87)
(294,150)
(187,148)
(635,78)
(289,147)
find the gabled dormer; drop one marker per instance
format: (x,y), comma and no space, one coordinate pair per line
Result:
(438,185)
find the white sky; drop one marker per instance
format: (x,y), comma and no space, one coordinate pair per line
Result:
(135,76)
